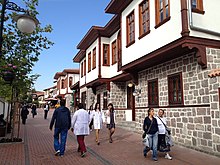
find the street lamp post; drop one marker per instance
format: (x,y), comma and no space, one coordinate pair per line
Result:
(25,23)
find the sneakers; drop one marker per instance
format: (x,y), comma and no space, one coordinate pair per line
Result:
(167,156)
(155,159)
(57,152)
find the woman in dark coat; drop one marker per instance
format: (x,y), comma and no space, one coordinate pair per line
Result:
(24,113)
(150,127)
(34,110)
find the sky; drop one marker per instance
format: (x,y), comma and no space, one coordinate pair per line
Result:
(71,20)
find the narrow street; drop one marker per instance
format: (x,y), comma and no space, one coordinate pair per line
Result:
(37,149)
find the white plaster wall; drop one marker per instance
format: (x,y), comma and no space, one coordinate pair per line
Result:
(82,80)
(93,74)
(75,79)
(128,115)
(157,38)
(209,20)
(63,91)
(112,70)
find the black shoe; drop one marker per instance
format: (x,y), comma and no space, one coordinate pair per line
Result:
(57,153)
(83,154)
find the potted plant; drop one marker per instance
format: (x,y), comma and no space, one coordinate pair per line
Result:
(8,72)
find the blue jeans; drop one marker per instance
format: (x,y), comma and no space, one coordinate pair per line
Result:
(60,145)
(153,140)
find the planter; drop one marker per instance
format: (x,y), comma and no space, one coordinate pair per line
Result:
(8,77)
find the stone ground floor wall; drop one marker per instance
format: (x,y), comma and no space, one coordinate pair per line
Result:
(196,124)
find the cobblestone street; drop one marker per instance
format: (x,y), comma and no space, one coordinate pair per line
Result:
(37,149)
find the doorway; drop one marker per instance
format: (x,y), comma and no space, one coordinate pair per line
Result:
(131,101)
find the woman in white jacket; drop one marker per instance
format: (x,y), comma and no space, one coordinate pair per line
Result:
(97,121)
(80,126)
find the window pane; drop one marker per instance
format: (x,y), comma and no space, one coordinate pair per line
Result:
(161,16)
(194,3)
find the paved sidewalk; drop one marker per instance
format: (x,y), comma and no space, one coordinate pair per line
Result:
(37,149)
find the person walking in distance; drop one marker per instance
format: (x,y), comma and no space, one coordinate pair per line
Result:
(24,113)
(162,145)
(110,121)
(61,117)
(91,117)
(98,121)
(34,110)
(150,127)
(46,109)
(80,127)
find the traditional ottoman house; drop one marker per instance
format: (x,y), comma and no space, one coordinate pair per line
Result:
(64,80)
(161,54)
(49,93)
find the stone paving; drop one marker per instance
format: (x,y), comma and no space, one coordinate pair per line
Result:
(126,149)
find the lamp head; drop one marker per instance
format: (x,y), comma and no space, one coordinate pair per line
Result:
(26,23)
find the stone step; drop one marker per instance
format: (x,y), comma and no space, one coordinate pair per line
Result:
(128,125)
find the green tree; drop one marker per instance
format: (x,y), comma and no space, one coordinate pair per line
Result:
(23,51)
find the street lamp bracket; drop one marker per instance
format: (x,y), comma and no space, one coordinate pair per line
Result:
(13,6)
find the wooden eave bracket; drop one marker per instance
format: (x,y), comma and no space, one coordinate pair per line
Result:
(200,53)
(134,77)
(108,86)
(94,90)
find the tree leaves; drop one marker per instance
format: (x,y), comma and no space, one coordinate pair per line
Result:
(22,50)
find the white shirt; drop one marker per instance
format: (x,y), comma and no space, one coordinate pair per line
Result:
(161,126)
(80,122)
(98,119)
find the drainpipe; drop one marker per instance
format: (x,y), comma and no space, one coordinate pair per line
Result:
(193,27)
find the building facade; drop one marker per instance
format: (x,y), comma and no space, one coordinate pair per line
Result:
(162,54)
(64,80)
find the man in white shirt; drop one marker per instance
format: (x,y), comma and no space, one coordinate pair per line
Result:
(162,145)
(80,127)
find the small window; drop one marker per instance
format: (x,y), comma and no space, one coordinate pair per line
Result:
(82,70)
(89,62)
(130,29)
(144,18)
(84,67)
(114,52)
(62,84)
(175,89)
(106,55)
(153,93)
(94,58)
(70,81)
(162,12)
(197,6)
(105,100)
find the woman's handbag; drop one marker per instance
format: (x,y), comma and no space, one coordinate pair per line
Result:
(146,141)
(168,130)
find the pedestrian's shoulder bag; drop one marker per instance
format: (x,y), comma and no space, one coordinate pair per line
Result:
(167,129)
